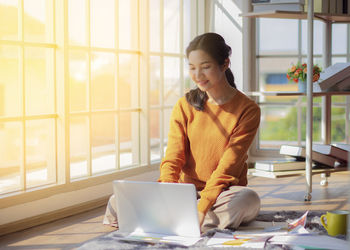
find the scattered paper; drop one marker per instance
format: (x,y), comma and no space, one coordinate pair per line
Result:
(295,225)
(310,241)
(243,239)
(227,240)
(294,234)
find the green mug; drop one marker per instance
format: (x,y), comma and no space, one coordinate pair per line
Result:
(336,222)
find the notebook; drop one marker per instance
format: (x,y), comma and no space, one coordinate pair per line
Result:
(160,212)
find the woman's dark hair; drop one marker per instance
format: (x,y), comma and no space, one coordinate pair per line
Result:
(214,45)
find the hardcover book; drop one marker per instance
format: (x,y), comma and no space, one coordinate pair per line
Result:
(278,1)
(280,165)
(343,85)
(342,146)
(333,75)
(300,153)
(276,174)
(331,150)
(282,6)
(260,1)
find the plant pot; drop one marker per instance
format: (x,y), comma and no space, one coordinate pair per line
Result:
(302,86)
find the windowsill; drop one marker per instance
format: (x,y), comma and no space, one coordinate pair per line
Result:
(16,198)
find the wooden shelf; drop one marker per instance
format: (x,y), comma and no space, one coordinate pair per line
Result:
(292,93)
(281,174)
(328,19)
(334,18)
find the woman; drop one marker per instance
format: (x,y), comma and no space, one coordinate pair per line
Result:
(211,129)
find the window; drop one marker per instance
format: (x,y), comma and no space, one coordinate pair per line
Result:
(27,85)
(87,86)
(283,119)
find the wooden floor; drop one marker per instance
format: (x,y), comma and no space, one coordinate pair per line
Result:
(276,195)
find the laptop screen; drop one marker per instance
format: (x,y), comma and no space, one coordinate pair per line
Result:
(153,207)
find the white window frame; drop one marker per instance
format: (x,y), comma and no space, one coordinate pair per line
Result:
(75,189)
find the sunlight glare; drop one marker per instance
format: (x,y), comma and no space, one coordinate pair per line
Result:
(9,2)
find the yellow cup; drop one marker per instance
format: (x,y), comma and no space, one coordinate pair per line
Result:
(336,222)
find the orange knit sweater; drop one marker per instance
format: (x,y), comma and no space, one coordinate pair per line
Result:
(209,148)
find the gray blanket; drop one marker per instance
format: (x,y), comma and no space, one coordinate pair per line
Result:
(114,241)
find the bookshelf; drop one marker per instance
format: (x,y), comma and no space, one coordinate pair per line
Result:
(328,19)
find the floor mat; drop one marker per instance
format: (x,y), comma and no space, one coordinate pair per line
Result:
(113,241)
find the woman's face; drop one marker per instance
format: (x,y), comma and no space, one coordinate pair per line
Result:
(205,71)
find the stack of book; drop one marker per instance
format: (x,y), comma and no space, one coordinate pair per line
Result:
(285,5)
(323,156)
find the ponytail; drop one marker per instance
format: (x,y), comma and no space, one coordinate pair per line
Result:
(230,78)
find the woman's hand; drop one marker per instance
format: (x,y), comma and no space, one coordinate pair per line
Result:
(201,218)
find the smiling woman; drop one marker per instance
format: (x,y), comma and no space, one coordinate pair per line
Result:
(211,129)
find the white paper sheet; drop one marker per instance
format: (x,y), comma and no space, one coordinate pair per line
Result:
(242,239)
(311,241)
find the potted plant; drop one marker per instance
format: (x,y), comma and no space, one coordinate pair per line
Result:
(298,74)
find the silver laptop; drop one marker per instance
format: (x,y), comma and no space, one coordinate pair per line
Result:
(158,208)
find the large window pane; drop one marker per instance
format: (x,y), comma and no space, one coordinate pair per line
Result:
(338,60)
(102,23)
(188,83)
(9,15)
(229,24)
(78,81)
(272,75)
(339,38)
(172,26)
(279,123)
(128,24)
(128,80)
(316,122)
(79,146)
(281,36)
(155,134)
(154,28)
(39,83)
(103,68)
(155,83)
(338,125)
(278,126)
(10,87)
(171,80)
(129,139)
(186,24)
(40,152)
(38,20)
(10,154)
(318,37)
(338,121)
(103,142)
(101,61)
(77,22)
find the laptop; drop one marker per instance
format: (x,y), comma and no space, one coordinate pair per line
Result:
(153,208)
